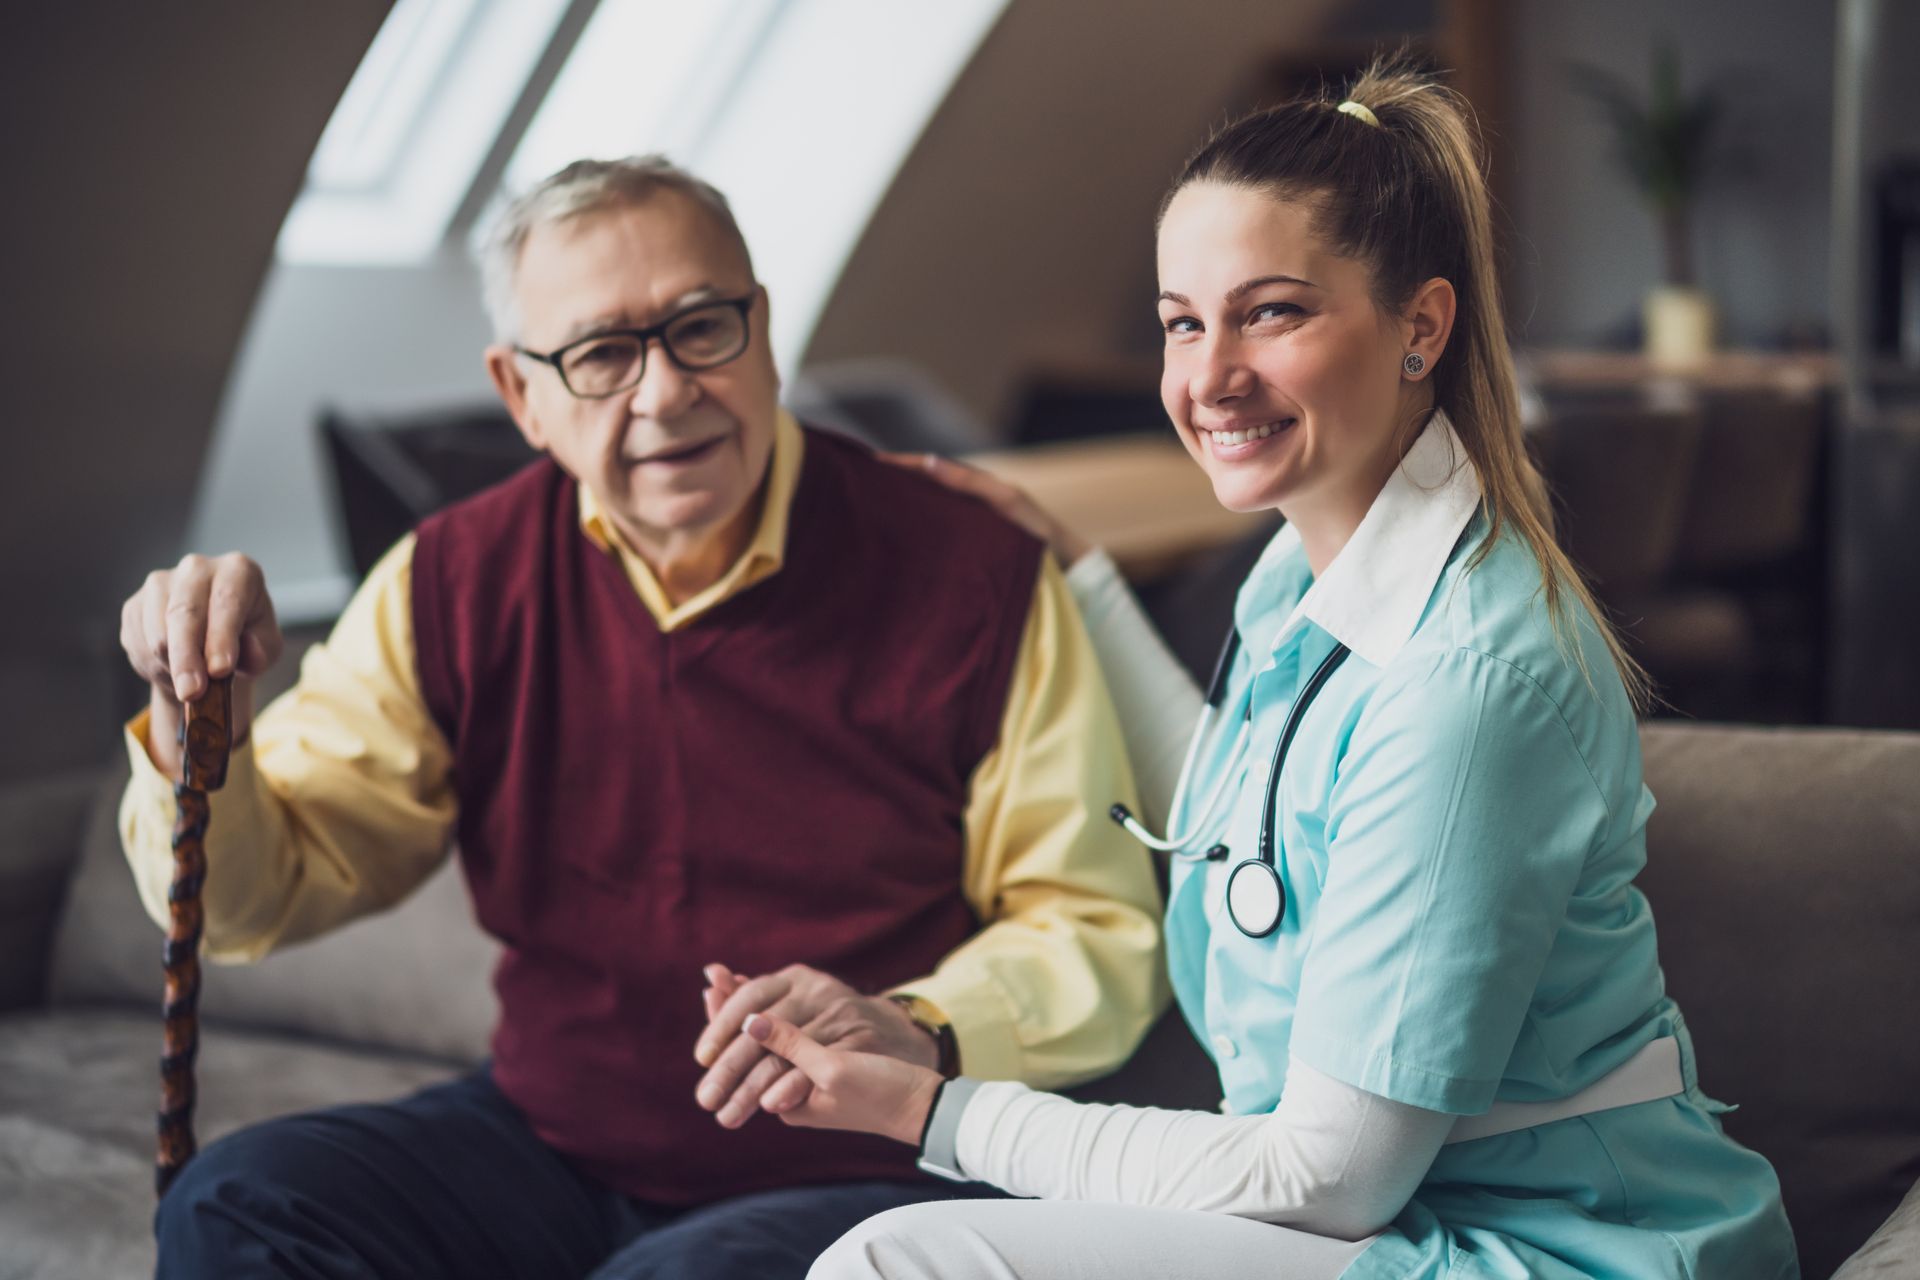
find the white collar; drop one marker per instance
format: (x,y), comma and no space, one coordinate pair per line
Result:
(1371,596)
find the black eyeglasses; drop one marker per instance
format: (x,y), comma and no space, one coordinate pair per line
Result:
(605,364)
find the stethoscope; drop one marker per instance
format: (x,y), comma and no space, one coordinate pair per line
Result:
(1256,898)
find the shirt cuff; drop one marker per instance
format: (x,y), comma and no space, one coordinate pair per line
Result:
(974,1152)
(150,789)
(1093,579)
(150,792)
(940,1145)
(982,1022)
(147,775)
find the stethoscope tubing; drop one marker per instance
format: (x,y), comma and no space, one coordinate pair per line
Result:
(1180,844)
(1322,673)
(1262,868)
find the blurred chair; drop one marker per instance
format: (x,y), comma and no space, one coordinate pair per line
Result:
(1752,502)
(392,471)
(1752,531)
(1623,473)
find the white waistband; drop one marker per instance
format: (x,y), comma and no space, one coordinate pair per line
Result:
(1649,1075)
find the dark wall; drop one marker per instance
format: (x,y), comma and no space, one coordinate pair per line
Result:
(150,154)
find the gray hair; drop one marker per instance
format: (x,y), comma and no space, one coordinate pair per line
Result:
(583,187)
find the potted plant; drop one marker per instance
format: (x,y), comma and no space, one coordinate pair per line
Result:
(1665,144)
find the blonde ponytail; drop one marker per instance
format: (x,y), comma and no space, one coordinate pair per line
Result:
(1398,184)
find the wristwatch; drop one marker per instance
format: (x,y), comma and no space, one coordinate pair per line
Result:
(940,1136)
(927,1016)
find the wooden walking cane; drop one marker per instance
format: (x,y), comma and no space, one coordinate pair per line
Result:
(206,737)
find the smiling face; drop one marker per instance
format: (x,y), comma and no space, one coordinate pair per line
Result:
(677,461)
(1282,376)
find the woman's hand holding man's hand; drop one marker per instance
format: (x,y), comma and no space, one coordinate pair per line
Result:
(742,1077)
(864,1092)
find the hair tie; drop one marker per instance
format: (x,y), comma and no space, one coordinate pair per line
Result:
(1359,111)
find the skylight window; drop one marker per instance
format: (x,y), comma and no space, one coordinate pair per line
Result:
(648,75)
(387,94)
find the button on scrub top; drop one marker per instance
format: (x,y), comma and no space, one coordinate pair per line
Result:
(1459,822)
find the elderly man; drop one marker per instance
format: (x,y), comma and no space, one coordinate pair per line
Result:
(702,692)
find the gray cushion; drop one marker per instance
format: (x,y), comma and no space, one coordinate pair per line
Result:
(40,823)
(1894,1251)
(1784,872)
(416,979)
(77,1095)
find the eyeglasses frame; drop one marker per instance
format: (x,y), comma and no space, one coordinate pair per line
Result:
(645,337)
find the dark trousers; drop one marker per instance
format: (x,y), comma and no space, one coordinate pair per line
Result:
(451,1183)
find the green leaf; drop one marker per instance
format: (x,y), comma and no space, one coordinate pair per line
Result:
(1663,140)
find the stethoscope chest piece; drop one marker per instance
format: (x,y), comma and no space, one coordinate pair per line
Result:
(1255,900)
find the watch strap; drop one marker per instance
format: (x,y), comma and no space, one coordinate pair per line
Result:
(939,1141)
(928,1019)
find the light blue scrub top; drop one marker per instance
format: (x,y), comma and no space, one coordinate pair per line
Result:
(1459,823)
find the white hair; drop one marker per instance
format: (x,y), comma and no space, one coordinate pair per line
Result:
(583,187)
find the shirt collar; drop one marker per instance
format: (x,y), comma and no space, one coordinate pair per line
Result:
(1372,595)
(763,557)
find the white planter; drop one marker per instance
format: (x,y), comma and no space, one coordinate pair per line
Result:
(1679,324)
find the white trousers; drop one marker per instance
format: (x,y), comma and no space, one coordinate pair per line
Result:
(1075,1240)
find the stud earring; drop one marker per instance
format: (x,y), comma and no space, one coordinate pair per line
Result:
(1413,364)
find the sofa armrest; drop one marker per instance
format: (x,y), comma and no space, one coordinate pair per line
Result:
(40,824)
(1893,1250)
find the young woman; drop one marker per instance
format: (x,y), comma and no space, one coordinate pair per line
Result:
(1402,916)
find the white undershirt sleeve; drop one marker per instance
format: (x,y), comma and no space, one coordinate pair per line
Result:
(1330,1159)
(1158,702)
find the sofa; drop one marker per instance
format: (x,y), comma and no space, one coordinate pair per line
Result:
(1784,871)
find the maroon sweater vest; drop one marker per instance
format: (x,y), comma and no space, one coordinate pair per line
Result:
(783,780)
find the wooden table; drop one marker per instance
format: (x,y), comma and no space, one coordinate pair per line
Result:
(1788,372)
(1141,497)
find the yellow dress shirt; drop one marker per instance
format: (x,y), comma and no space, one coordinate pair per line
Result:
(342,802)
